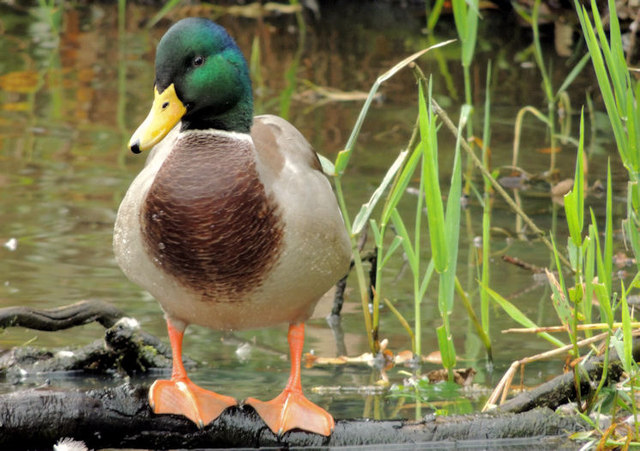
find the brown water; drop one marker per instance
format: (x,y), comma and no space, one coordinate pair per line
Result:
(73,86)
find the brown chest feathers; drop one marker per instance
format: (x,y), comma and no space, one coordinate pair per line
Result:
(207,220)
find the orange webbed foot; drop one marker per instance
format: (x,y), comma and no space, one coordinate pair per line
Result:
(183,397)
(292,410)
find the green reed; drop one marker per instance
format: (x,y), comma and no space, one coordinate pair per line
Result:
(337,170)
(587,254)
(620,92)
(559,97)
(591,260)
(465,15)
(486,213)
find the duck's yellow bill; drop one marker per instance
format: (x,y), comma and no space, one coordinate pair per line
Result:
(166,112)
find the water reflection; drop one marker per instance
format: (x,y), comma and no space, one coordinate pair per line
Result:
(74,83)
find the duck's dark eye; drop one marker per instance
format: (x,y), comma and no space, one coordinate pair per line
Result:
(198,61)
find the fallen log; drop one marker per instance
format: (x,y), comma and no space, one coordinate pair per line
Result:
(563,389)
(120,417)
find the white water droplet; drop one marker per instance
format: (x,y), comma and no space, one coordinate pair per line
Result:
(161,246)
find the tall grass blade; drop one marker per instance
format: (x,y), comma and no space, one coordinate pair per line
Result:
(452,220)
(574,73)
(516,314)
(367,208)
(574,200)
(433,197)
(589,271)
(465,14)
(342,160)
(400,185)
(397,241)
(401,229)
(603,79)
(447,351)
(163,12)
(626,333)
(434,15)
(486,208)
(608,236)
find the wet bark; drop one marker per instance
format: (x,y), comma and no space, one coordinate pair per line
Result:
(563,389)
(120,417)
(124,350)
(82,312)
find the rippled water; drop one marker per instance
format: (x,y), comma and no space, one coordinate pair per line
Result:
(73,86)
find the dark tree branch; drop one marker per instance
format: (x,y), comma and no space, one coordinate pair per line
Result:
(338,297)
(82,312)
(121,417)
(562,389)
(124,350)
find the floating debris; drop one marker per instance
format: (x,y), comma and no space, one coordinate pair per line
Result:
(11,244)
(69,444)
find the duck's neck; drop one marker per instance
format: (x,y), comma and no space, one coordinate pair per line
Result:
(238,118)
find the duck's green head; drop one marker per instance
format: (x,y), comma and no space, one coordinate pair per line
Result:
(202,81)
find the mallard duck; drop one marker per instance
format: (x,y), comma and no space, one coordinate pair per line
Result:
(231,224)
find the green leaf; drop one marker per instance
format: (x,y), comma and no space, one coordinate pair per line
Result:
(433,197)
(459,16)
(426,279)
(558,287)
(399,187)
(589,272)
(377,237)
(626,333)
(397,241)
(469,45)
(447,350)
(341,162)
(327,166)
(406,240)
(452,224)
(574,200)
(574,73)
(367,208)
(559,300)
(168,6)
(608,235)
(343,157)
(602,296)
(616,66)
(518,316)
(602,77)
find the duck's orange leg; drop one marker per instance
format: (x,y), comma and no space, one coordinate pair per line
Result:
(180,396)
(290,409)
